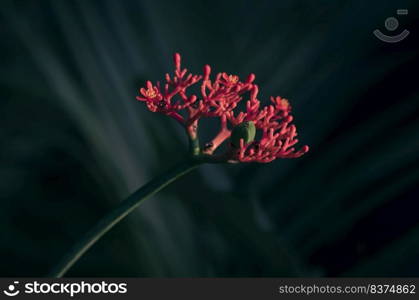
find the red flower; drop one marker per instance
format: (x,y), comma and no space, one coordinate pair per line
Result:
(219,99)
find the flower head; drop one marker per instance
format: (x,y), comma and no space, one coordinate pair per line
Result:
(219,98)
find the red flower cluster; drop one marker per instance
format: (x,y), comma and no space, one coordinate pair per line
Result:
(219,98)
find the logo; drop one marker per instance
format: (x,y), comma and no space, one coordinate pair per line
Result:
(392,24)
(11,289)
(65,287)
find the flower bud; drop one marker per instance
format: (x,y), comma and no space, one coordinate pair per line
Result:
(245,131)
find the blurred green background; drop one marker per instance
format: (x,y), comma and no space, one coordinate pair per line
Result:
(75,142)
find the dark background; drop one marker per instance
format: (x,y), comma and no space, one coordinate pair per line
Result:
(74,141)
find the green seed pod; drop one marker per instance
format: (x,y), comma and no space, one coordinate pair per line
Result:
(245,131)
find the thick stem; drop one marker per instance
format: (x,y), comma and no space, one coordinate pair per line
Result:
(120,212)
(192,131)
(194,146)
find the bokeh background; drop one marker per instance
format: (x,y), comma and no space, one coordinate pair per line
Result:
(75,142)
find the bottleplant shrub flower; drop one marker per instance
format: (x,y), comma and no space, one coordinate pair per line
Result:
(256,134)
(219,99)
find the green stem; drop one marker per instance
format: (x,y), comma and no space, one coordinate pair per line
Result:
(120,212)
(194,146)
